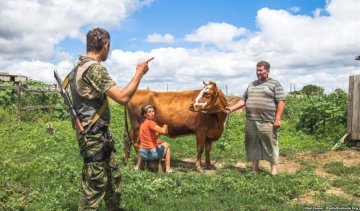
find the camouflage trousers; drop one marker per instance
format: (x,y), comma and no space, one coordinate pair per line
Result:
(101,180)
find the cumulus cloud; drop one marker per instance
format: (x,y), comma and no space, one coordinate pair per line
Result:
(302,49)
(180,68)
(31,29)
(295,9)
(218,34)
(319,48)
(158,38)
(38,70)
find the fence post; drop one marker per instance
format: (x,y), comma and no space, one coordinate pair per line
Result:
(353,114)
(353,118)
(18,87)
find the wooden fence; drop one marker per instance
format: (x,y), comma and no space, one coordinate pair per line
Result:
(353,118)
(19,90)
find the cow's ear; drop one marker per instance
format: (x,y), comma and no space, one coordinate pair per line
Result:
(204,83)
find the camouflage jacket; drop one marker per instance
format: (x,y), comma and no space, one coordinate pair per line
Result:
(89,80)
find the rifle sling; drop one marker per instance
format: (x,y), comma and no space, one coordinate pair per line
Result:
(97,114)
(66,82)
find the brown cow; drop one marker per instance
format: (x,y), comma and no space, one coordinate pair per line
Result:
(199,112)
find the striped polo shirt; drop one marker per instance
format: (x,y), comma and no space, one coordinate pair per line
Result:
(262,98)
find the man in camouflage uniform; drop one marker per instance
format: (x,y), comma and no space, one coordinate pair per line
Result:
(90,84)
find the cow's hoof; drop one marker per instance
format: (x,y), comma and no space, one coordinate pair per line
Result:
(199,169)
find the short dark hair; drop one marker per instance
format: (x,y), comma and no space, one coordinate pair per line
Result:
(264,64)
(96,39)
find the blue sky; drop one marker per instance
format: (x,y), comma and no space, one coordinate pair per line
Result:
(180,17)
(306,41)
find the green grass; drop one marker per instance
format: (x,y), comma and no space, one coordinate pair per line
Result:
(40,171)
(348,177)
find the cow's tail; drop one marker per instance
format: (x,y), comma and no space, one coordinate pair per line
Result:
(127,137)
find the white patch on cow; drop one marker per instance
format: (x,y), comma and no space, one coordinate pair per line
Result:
(203,104)
(198,98)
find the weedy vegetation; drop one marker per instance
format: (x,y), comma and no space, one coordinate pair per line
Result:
(41,171)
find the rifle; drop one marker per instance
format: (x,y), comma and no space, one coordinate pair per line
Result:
(73,113)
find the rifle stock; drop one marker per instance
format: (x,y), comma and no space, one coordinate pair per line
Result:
(68,103)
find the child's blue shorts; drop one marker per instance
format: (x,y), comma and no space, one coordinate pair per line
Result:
(154,153)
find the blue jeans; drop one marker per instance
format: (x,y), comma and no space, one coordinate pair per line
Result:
(154,153)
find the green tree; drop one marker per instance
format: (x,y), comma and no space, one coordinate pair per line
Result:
(312,90)
(324,115)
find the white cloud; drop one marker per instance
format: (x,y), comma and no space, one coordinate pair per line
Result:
(180,68)
(317,12)
(158,38)
(31,29)
(318,49)
(39,70)
(218,34)
(295,9)
(302,49)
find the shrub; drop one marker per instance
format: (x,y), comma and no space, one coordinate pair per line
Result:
(322,115)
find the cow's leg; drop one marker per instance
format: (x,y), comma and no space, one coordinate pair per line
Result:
(208,145)
(126,154)
(200,142)
(136,142)
(127,148)
(134,136)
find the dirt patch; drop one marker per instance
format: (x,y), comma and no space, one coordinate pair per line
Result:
(349,157)
(308,198)
(285,165)
(319,171)
(291,164)
(240,166)
(339,192)
(189,163)
(312,198)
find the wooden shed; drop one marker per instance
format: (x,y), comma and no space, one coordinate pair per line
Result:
(353,118)
(6,77)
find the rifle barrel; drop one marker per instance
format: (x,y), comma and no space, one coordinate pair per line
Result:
(68,103)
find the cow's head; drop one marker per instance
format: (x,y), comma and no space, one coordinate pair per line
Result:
(210,100)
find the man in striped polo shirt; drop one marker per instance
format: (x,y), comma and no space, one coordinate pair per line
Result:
(265,104)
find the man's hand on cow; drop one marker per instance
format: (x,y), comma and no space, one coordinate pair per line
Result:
(228,110)
(143,67)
